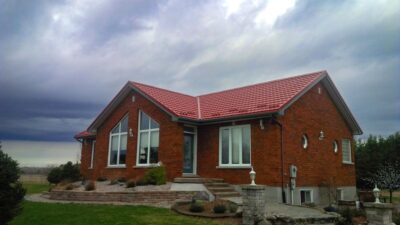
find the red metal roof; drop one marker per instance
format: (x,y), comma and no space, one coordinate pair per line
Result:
(254,99)
(84,134)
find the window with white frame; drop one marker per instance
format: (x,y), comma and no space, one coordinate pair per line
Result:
(234,146)
(346,151)
(118,143)
(92,153)
(306,196)
(148,140)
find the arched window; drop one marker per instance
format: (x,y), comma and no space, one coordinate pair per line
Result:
(148,140)
(304,141)
(118,143)
(335,146)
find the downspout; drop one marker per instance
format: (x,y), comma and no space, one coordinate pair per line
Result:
(282,169)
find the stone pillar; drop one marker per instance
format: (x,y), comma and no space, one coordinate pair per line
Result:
(379,213)
(253,203)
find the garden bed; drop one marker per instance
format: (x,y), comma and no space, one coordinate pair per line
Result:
(183,207)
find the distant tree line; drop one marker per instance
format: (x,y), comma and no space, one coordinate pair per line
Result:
(378,162)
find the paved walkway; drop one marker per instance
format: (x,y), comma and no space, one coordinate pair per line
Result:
(293,211)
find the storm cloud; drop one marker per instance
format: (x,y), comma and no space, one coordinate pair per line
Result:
(61,62)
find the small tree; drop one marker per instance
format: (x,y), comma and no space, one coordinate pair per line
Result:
(11,190)
(65,172)
(388,177)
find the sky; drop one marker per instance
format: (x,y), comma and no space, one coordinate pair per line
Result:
(61,62)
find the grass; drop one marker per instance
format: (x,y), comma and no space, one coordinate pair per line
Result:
(395,197)
(32,188)
(84,214)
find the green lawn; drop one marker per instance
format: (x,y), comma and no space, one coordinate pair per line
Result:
(32,188)
(84,214)
(87,214)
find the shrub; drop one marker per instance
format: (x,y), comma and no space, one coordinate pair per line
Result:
(155,176)
(101,179)
(141,182)
(219,208)
(130,183)
(54,175)
(66,171)
(233,208)
(12,192)
(396,218)
(90,186)
(196,207)
(113,182)
(69,187)
(122,179)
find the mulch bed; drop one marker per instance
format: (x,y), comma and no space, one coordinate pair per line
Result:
(183,208)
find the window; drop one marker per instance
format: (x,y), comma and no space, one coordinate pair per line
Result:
(306,196)
(346,151)
(92,154)
(148,140)
(234,146)
(335,146)
(339,194)
(304,141)
(118,143)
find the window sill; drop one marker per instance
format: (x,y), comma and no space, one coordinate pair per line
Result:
(233,167)
(116,167)
(348,163)
(146,166)
(90,168)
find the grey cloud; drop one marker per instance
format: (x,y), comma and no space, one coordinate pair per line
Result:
(62,62)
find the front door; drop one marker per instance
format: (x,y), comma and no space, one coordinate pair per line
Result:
(189,152)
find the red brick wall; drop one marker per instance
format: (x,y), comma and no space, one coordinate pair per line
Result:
(310,114)
(170,147)
(318,164)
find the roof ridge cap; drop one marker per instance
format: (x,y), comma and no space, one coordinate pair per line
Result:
(266,82)
(164,89)
(198,108)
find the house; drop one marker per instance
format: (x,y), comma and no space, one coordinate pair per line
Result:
(297,134)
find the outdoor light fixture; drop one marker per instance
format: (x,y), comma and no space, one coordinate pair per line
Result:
(377,193)
(252,176)
(130,132)
(321,135)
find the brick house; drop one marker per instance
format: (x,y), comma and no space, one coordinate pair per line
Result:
(298,123)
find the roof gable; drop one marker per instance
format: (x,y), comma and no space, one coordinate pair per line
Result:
(263,98)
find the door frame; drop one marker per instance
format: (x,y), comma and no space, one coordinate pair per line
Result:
(194,150)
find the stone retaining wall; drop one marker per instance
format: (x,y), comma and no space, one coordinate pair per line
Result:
(130,197)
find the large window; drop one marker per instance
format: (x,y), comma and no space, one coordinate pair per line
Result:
(234,146)
(346,151)
(118,143)
(148,140)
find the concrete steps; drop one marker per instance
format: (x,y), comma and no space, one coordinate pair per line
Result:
(220,189)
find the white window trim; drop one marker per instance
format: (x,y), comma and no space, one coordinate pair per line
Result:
(117,165)
(230,165)
(350,152)
(92,154)
(311,195)
(339,198)
(147,164)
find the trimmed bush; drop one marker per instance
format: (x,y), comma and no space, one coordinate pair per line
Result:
(155,176)
(69,187)
(90,186)
(68,171)
(113,182)
(219,208)
(12,192)
(101,179)
(130,183)
(330,209)
(141,182)
(122,179)
(196,207)
(233,208)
